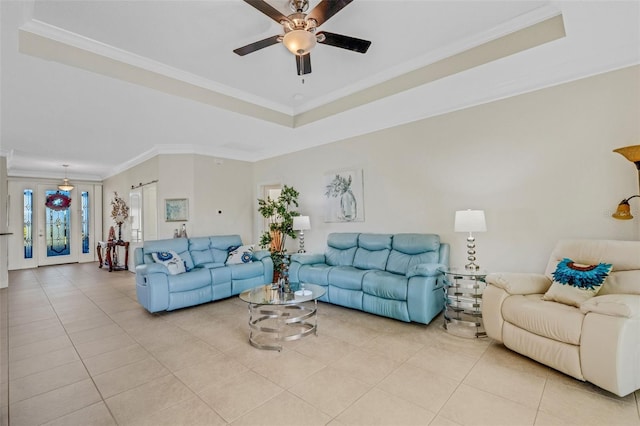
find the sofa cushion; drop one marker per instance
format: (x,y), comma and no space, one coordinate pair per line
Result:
(574,283)
(347,277)
(192,280)
(375,242)
(338,257)
(178,245)
(314,274)
(246,270)
(385,284)
(341,249)
(240,254)
(200,251)
(409,250)
(220,246)
(171,260)
(373,251)
(367,259)
(554,320)
(622,282)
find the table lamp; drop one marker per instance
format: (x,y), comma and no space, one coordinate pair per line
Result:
(470,221)
(301,223)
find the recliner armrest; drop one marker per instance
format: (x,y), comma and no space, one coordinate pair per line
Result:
(151,268)
(519,283)
(307,258)
(615,305)
(426,270)
(261,254)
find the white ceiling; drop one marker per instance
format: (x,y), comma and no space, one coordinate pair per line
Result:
(102,85)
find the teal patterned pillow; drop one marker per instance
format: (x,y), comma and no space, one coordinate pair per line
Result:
(573,283)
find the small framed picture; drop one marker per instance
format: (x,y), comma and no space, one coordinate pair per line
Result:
(176,209)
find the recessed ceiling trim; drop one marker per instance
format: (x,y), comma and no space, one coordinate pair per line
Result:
(543,32)
(55,44)
(523,21)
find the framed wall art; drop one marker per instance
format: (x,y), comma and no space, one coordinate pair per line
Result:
(176,209)
(344,196)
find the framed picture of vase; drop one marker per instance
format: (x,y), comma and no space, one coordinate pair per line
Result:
(344,196)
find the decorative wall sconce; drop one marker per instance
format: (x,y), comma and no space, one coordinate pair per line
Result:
(631,153)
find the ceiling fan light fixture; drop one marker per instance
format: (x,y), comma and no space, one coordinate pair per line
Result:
(299,42)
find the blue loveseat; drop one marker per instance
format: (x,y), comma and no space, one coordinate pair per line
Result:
(208,277)
(398,276)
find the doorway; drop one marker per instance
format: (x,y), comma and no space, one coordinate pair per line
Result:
(51,226)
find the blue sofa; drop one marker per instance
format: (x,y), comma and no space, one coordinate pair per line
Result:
(208,277)
(398,276)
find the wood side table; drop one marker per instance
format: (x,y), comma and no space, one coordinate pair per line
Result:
(111,255)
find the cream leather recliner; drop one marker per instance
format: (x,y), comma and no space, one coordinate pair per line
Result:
(598,342)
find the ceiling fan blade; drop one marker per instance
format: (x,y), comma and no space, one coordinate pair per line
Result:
(326,9)
(303,63)
(249,48)
(268,10)
(345,42)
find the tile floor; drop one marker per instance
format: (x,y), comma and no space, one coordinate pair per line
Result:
(83,352)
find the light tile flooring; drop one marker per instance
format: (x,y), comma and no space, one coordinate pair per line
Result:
(83,352)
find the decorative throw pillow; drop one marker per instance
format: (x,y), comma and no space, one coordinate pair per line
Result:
(239,254)
(573,283)
(171,260)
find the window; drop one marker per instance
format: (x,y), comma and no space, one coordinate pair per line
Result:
(28,224)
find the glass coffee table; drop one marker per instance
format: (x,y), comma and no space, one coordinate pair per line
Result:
(275,316)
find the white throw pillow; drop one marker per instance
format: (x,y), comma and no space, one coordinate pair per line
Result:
(573,283)
(171,260)
(240,254)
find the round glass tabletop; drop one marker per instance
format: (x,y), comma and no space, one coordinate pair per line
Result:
(266,295)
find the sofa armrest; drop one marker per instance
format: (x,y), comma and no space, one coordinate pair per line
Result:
(426,270)
(261,254)
(615,305)
(151,268)
(519,283)
(307,258)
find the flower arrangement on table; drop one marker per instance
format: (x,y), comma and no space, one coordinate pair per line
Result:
(119,212)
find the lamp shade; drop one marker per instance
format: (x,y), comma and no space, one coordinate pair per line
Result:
(301,223)
(631,153)
(623,212)
(299,42)
(470,221)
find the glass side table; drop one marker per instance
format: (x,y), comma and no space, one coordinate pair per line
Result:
(463,302)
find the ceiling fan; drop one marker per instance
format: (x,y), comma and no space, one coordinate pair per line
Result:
(300,30)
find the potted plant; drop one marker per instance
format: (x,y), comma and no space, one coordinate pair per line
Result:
(279,213)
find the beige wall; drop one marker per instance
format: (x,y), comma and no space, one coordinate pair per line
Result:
(210,184)
(539,164)
(4,277)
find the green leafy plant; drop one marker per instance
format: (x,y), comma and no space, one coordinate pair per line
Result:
(279,213)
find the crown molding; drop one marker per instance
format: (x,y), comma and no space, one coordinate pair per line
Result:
(49,42)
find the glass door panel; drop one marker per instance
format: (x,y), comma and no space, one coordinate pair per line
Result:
(56,233)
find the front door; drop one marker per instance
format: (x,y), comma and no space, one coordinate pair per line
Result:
(56,225)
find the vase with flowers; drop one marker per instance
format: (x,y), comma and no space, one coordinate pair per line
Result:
(119,212)
(340,186)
